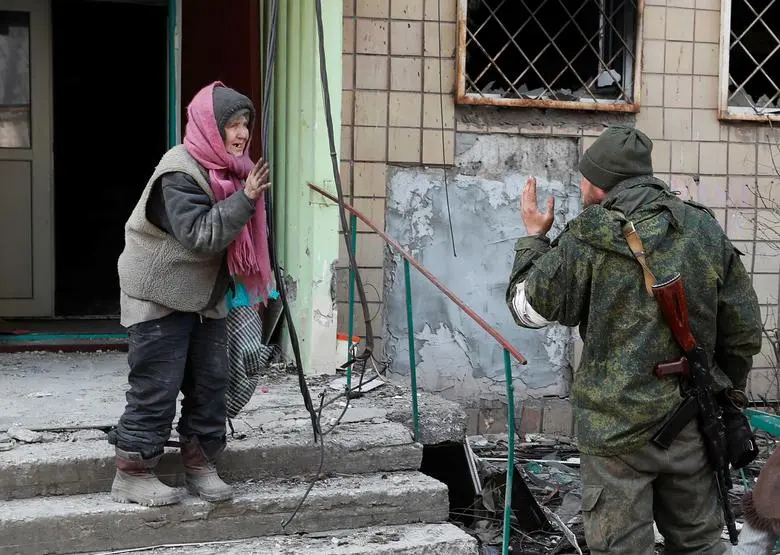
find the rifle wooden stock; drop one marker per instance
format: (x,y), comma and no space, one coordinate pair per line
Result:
(671,297)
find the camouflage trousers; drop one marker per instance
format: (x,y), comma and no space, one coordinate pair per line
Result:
(624,494)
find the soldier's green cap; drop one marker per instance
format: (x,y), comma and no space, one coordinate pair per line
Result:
(620,152)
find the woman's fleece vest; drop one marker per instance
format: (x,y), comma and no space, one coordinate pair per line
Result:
(154,266)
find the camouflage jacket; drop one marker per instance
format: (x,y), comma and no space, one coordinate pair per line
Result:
(587,277)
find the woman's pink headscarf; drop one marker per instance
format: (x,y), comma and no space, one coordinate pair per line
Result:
(248,256)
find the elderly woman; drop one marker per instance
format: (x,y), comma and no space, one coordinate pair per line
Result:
(200,220)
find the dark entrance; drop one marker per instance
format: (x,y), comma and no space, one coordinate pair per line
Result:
(109,100)
(231,54)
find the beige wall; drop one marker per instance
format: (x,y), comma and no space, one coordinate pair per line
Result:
(718,164)
(391,114)
(392,105)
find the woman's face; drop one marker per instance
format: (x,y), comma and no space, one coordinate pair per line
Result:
(237,134)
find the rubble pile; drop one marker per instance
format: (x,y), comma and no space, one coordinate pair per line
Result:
(547,493)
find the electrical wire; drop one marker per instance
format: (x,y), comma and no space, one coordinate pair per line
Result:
(443,147)
(360,360)
(269,208)
(368,349)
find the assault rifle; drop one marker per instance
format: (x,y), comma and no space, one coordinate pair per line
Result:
(700,400)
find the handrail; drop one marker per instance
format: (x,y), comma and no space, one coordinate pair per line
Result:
(508,348)
(454,298)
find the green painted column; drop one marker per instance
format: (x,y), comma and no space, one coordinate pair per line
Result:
(307,227)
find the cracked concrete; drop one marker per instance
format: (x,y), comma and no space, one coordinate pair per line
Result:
(92,522)
(412,539)
(454,356)
(70,468)
(72,391)
(55,391)
(55,496)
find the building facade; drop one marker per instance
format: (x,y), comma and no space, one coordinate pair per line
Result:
(93,92)
(448,105)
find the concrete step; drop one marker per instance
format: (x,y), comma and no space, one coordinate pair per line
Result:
(93,522)
(408,539)
(68,468)
(63,391)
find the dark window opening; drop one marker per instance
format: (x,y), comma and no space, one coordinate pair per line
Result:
(754,56)
(552,49)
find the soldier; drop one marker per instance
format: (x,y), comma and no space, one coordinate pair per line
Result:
(588,277)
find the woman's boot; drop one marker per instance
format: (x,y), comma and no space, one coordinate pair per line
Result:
(201,472)
(135,482)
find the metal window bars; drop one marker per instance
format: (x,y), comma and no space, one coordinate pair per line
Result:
(752,60)
(550,53)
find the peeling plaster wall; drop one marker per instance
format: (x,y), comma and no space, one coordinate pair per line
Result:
(454,355)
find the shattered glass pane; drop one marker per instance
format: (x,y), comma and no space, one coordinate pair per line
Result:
(551,49)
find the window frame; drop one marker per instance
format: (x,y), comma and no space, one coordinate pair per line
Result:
(726,112)
(475,99)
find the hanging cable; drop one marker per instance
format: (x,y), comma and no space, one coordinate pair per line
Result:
(361,359)
(443,148)
(368,349)
(269,208)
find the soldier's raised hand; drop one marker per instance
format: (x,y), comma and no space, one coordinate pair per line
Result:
(536,222)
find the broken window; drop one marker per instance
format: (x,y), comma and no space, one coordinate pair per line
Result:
(752,59)
(549,53)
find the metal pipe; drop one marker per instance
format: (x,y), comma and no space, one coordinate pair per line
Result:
(429,276)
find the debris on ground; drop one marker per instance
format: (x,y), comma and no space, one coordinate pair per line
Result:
(359,384)
(547,482)
(21,435)
(88,435)
(24,435)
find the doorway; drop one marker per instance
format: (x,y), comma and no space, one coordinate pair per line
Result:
(25,159)
(231,55)
(109,123)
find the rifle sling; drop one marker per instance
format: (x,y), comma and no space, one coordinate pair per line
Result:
(638,250)
(688,409)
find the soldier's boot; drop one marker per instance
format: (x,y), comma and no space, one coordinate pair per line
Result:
(135,482)
(201,473)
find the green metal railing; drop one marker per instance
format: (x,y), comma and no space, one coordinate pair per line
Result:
(412,356)
(509,350)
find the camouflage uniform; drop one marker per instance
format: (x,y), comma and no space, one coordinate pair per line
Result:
(587,277)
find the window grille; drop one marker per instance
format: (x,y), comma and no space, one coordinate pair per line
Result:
(750,65)
(550,53)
